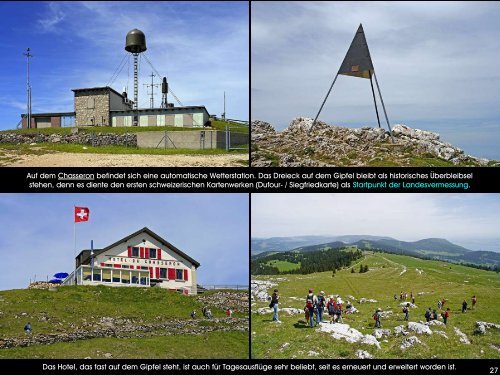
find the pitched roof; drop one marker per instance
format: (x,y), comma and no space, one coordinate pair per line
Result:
(86,253)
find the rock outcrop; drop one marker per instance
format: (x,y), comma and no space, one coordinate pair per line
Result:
(83,138)
(301,145)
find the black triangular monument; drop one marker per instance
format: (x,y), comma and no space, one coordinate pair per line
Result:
(358,63)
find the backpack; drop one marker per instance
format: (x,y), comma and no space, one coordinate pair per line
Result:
(321,301)
(427,314)
(271,305)
(375,316)
(309,302)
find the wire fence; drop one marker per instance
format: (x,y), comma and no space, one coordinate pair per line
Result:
(218,287)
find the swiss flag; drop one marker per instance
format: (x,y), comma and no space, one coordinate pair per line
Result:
(81,214)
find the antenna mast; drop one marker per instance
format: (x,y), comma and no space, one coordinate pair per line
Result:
(224,113)
(28,112)
(152,94)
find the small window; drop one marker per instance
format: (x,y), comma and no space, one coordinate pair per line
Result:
(144,268)
(152,253)
(135,252)
(90,102)
(355,68)
(179,275)
(163,273)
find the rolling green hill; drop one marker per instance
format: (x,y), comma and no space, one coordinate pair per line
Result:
(389,274)
(434,248)
(107,322)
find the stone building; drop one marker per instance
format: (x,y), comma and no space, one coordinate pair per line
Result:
(104,106)
(141,259)
(93,105)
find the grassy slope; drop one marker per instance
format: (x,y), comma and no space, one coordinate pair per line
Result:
(211,345)
(283,265)
(381,283)
(75,305)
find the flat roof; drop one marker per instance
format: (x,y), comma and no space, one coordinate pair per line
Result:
(50,114)
(170,109)
(98,89)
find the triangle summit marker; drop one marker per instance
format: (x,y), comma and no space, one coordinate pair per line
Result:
(358,63)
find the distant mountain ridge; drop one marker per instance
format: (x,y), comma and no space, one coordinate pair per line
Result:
(434,248)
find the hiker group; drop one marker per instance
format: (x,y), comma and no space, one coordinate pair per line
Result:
(316,305)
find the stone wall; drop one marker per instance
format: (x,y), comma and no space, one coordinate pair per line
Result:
(88,116)
(93,139)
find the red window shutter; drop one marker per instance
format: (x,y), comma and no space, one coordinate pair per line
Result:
(117,265)
(138,267)
(141,252)
(150,272)
(171,273)
(129,251)
(146,253)
(157,272)
(185,275)
(102,264)
(158,253)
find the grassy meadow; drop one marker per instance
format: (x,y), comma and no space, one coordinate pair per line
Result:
(294,339)
(76,308)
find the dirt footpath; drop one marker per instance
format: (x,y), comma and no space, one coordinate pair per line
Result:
(63,159)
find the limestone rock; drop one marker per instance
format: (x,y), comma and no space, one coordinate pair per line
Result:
(344,331)
(419,328)
(379,333)
(302,145)
(408,342)
(462,336)
(363,354)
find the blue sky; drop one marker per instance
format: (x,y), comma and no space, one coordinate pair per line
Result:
(469,220)
(36,235)
(435,63)
(201,46)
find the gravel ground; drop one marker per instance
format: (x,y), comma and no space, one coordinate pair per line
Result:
(63,159)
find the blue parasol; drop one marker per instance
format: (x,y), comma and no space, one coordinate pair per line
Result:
(61,275)
(55,281)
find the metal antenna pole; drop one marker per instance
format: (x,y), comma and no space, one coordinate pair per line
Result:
(383,106)
(28,112)
(152,85)
(374,100)
(224,113)
(136,81)
(324,101)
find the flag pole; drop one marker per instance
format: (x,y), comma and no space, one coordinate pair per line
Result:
(74,242)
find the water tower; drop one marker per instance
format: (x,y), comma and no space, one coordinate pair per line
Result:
(135,43)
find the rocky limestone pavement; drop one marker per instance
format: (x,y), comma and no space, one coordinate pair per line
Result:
(408,342)
(92,139)
(351,335)
(367,300)
(400,330)
(379,333)
(462,336)
(110,327)
(442,333)
(286,310)
(237,301)
(300,144)
(363,354)
(258,289)
(403,304)
(433,323)
(419,328)
(481,327)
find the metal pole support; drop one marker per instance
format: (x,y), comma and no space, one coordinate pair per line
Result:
(383,106)
(324,101)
